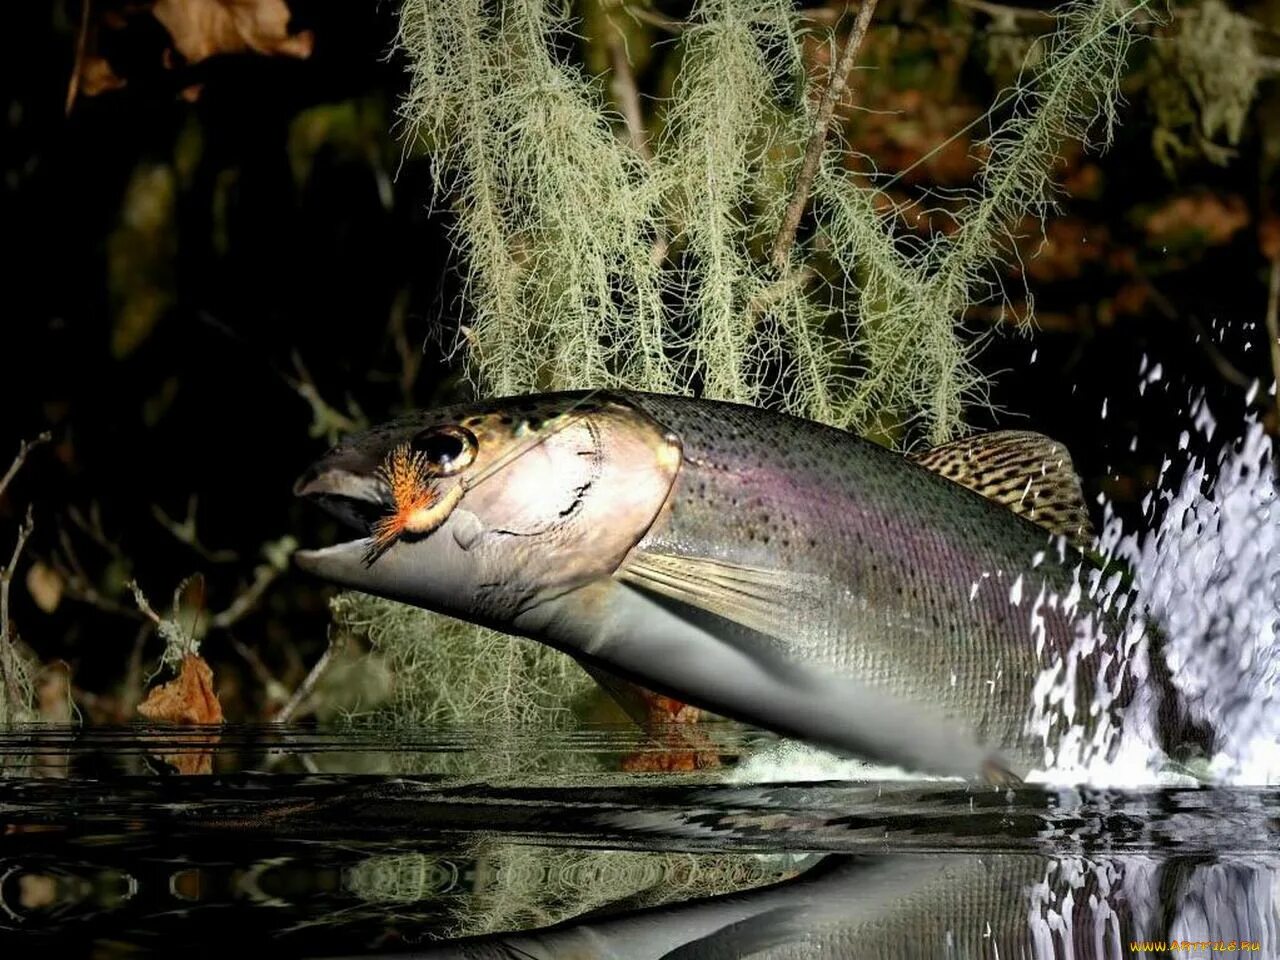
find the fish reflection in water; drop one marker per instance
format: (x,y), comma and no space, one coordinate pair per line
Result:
(119,861)
(909,906)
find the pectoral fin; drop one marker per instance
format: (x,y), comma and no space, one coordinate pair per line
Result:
(761,599)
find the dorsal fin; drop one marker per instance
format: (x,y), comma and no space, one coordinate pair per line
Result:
(1027,472)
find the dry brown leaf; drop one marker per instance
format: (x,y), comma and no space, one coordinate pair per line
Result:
(97,76)
(187,699)
(1199,218)
(204,28)
(191,762)
(1269,236)
(44,583)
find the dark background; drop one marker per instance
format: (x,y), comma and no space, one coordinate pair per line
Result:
(257,266)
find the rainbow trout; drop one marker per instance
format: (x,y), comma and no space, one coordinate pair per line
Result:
(759,566)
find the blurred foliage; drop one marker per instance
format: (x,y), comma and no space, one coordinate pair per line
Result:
(227,254)
(451,672)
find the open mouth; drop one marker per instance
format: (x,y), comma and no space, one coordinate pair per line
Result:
(357,501)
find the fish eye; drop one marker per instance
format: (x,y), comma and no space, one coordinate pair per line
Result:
(446,449)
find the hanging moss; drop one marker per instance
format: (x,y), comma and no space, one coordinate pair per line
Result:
(445,671)
(564,230)
(17,685)
(1202,81)
(589,265)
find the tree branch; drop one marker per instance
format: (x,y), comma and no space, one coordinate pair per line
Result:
(337,642)
(1273,330)
(6,577)
(7,572)
(783,242)
(77,71)
(24,448)
(627,95)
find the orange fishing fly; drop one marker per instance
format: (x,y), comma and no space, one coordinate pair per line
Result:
(419,504)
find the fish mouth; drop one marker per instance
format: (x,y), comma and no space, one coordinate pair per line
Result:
(358,501)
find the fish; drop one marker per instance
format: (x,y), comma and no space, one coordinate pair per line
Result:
(763,567)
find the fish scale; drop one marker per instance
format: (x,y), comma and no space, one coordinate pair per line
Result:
(905,545)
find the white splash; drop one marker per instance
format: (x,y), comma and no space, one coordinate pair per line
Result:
(1210,579)
(790,761)
(1207,581)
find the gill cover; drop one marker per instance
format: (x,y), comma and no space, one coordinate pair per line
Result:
(551,493)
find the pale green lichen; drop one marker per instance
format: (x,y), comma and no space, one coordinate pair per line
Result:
(588,265)
(918,361)
(445,671)
(1203,80)
(713,147)
(555,215)
(17,684)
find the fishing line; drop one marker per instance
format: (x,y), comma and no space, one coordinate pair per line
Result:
(1005,96)
(504,462)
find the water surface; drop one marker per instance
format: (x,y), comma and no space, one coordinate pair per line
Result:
(596,842)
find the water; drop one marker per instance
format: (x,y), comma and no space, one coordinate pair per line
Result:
(478,843)
(703,841)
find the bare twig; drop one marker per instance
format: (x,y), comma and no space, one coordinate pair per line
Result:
(12,687)
(13,694)
(144,605)
(780,288)
(326,421)
(782,243)
(247,600)
(24,448)
(78,585)
(91,526)
(1226,369)
(82,43)
(410,356)
(1273,329)
(275,691)
(277,554)
(185,532)
(337,640)
(1000,10)
(627,96)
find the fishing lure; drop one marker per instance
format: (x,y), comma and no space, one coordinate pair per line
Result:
(420,503)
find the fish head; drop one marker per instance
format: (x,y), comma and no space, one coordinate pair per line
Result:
(484,511)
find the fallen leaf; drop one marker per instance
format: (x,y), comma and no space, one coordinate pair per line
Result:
(187,699)
(204,28)
(192,761)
